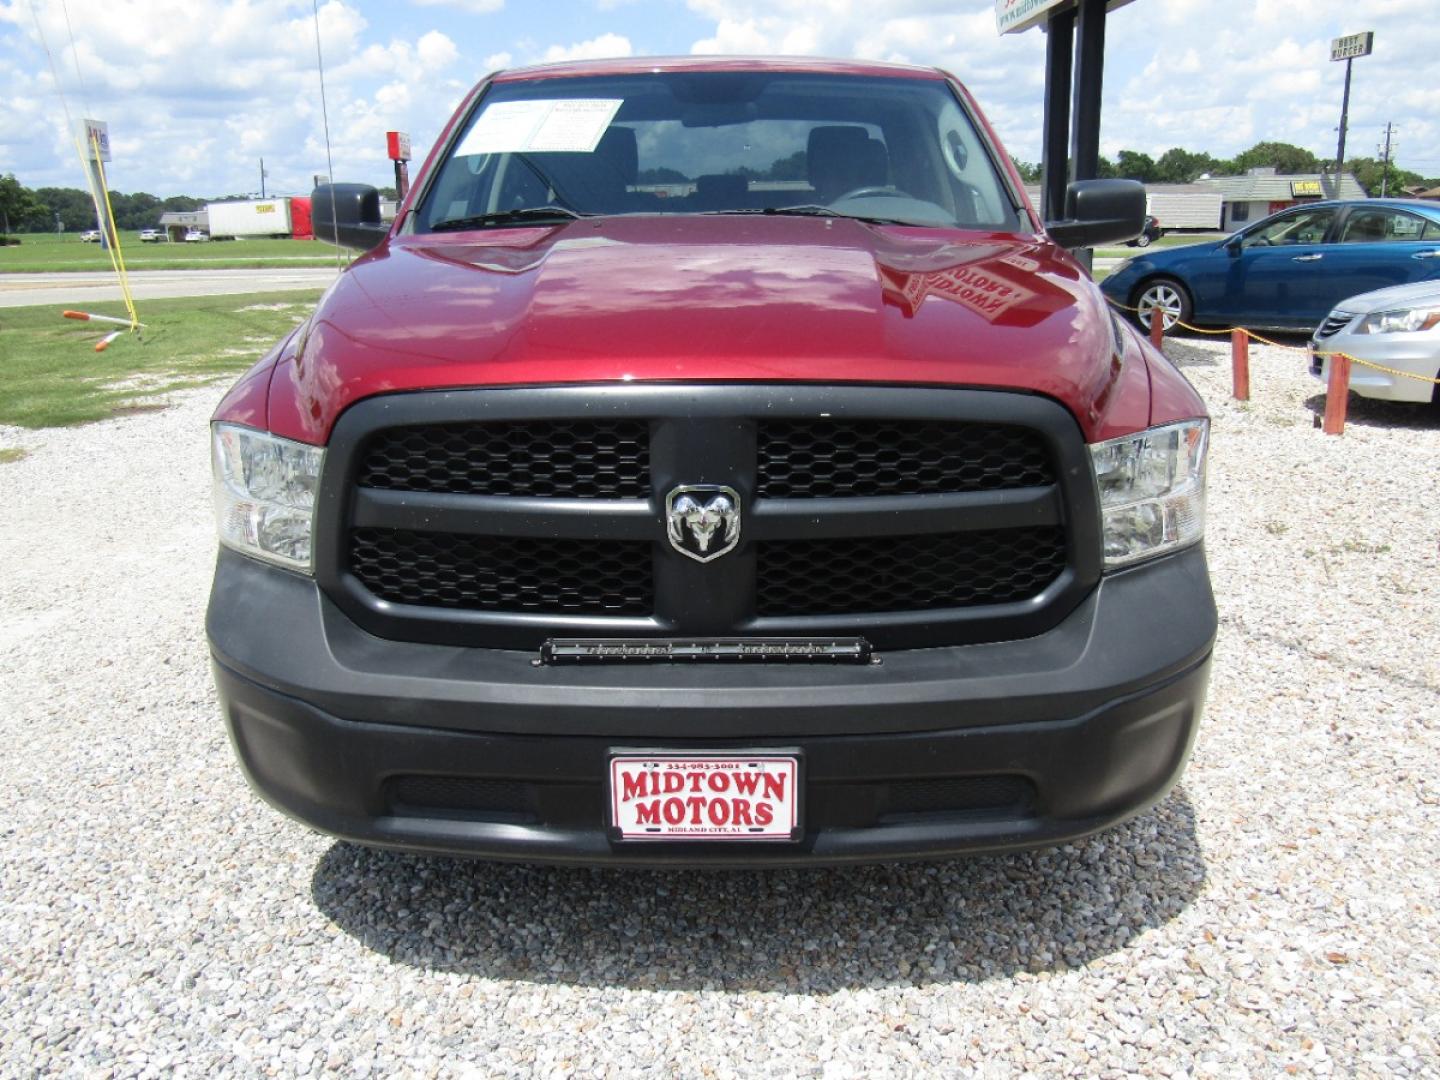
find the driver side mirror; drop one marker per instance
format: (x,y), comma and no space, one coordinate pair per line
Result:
(1234,246)
(347,215)
(1100,212)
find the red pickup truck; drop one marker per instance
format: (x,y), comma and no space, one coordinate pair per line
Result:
(716,462)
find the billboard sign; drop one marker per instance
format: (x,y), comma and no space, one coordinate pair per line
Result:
(1352,45)
(1012,16)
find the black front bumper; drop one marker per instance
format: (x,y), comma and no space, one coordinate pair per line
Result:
(934,752)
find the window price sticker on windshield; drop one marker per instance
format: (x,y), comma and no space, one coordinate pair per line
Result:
(536,127)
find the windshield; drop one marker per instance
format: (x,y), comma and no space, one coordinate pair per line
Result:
(880,149)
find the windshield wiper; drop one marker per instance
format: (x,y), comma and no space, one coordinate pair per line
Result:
(535,214)
(811,210)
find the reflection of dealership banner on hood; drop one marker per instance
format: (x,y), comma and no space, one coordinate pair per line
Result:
(983,291)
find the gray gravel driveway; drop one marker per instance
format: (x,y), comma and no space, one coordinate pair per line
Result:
(1276,915)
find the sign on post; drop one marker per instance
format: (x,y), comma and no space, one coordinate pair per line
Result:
(1352,45)
(397,145)
(1013,16)
(93,133)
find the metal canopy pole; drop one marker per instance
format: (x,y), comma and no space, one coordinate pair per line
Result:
(1059,55)
(1089,75)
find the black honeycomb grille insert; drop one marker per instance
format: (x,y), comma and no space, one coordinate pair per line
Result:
(811,459)
(496,573)
(561,459)
(950,795)
(907,573)
(464,794)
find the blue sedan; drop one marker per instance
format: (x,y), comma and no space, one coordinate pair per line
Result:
(1287,271)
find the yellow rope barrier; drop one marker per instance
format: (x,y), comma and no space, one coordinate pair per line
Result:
(1292,348)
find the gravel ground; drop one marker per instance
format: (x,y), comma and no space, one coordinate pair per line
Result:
(1276,915)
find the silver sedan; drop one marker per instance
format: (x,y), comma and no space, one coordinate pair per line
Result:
(1397,328)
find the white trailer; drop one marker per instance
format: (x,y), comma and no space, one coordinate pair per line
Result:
(1184,207)
(249,217)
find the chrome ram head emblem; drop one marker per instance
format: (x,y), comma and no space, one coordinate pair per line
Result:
(703,520)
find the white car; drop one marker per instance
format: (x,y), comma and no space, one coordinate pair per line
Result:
(152,236)
(90,236)
(1398,327)
(196,236)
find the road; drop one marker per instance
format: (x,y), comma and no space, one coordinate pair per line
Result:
(24,290)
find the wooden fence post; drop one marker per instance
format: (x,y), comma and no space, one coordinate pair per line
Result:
(1240,363)
(1337,393)
(1157,328)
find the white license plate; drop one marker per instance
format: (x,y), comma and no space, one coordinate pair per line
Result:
(705,796)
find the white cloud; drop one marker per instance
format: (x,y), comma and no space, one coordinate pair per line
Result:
(600,48)
(474,7)
(196,93)
(1215,75)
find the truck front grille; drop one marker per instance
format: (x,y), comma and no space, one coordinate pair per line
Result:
(496,573)
(907,573)
(561,459)
(814,459)
(909,517)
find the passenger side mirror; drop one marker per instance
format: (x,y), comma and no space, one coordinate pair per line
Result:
(1100,212)
(348,215)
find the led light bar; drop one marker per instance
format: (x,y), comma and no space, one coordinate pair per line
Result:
(706,650)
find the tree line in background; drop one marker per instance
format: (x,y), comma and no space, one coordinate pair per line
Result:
(70,210)
(1177,166)
(23,210)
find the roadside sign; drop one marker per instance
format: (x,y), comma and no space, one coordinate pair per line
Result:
(397,144)
(1352,45)
(94,132)
(1013,16)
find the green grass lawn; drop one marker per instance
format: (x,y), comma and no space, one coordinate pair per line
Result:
(1168,241)
(38,252)
(50,373)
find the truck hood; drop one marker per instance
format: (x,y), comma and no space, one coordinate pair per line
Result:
(718,298)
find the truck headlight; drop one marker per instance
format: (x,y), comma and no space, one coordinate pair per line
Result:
(265,494)
(1152,490)
(1407,320)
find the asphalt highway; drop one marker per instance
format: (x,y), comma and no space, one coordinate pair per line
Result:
(24,290)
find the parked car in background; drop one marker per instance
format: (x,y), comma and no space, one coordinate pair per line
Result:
(153,236)
(1152,233)
(195,236)
(1398,328)
(1285,271)
(90,236)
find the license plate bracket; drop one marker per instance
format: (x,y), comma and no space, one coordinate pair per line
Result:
(745,796)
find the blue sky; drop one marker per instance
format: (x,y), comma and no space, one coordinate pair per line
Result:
(197,91)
